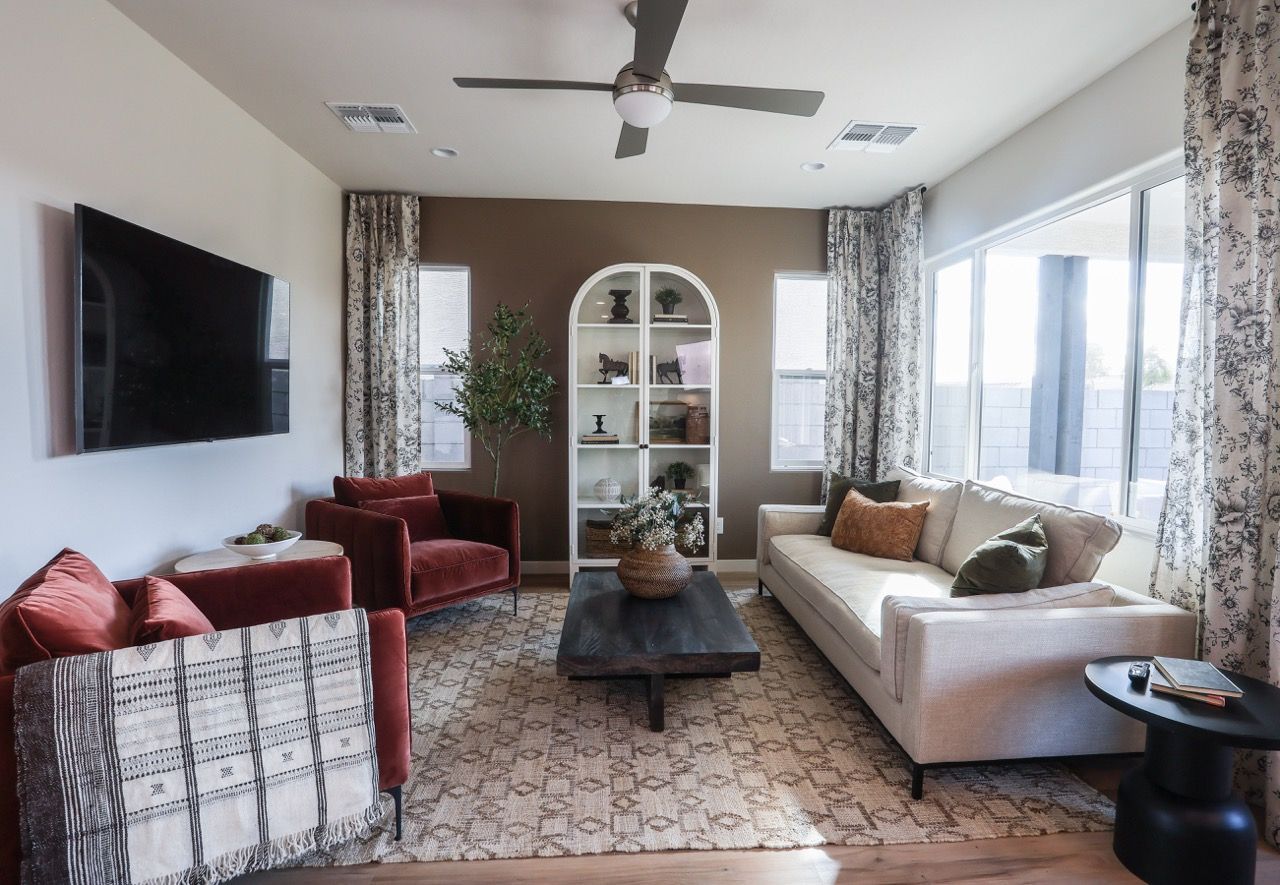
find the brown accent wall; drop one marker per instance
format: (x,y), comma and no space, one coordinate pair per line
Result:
(541,251)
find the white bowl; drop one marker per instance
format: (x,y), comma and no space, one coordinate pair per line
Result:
(261,551)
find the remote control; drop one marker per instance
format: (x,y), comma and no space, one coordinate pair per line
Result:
(1139,673)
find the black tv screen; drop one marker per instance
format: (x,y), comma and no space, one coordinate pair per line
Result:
(173,344)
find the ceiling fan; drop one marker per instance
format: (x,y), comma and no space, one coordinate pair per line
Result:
(642,91)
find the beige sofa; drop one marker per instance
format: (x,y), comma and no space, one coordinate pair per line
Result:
(989,677)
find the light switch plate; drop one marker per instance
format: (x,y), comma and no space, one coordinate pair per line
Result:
(719,525)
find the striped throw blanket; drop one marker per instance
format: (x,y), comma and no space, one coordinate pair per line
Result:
(197,759)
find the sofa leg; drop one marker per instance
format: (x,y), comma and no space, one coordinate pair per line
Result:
(917,780)
(396,795)
(515,600)
(760,588)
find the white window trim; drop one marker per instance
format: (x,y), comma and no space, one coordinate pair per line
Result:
(777,465)
(1134,186)
(450,467)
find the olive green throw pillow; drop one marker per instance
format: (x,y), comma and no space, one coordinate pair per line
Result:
(1011,562)
(838,488)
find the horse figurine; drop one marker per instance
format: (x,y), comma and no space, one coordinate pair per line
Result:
(666,370)
(608,364)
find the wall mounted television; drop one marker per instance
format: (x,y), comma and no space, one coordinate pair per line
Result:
(173,344)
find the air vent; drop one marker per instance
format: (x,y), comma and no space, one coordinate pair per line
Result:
(879,138)
(372,117)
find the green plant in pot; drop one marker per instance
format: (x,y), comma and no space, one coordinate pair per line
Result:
(668,298)
(679,473)
(502,390)
(653,524)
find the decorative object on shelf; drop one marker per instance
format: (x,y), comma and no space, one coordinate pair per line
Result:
(608,489)
(659,482)
(697,428)
(620,310)
(694,360)
(609,364)
(670,318)
(264,542)
(667,370)
(679,471)
(653,524)
(704,476)
(502,391)
(668,298)
(599,436)
(599,544)
(667,421)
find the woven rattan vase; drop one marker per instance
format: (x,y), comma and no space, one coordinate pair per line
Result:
(654,574)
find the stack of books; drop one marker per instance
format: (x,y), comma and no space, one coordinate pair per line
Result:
(633,364)
(671,318)
(1192,680)
(599,439)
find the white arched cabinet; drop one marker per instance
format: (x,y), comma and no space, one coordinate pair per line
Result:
(660,418)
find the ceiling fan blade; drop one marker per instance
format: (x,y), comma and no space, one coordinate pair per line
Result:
(656,24)
(798,102)
(631,142)
(501,83)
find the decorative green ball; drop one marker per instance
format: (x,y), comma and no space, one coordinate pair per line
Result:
(255,538)
(280,534)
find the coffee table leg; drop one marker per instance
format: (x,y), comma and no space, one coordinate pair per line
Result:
(656,704)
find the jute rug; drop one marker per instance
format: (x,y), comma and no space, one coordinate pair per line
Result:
(511,760)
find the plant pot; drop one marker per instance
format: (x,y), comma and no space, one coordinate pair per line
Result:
(679,481)
(668,309)
(654,574)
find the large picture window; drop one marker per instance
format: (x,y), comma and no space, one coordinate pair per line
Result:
(1077,324)
(799,370)
(444,321)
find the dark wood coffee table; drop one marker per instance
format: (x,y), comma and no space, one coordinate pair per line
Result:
(609,633)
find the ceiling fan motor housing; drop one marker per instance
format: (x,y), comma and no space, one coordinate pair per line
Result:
(640,100)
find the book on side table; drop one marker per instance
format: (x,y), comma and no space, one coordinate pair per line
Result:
(1194,680)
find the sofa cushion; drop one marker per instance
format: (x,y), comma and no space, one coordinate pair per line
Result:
(1078,539)
(838,487)
(161,611)
(1010,562)
(421,513)
(351,490)
(847,588)
(943,496)
(450,567)
(888,530)
(67,608)
(897,611)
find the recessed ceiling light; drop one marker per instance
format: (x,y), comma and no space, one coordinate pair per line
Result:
(815,166)
(447,153)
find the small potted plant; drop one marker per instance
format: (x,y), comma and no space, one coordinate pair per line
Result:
(679,473)
(653,524)
(668,298)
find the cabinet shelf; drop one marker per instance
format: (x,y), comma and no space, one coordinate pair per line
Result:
(589,386)
(653,326)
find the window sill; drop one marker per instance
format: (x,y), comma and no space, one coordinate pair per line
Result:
(446,468)
(780,468)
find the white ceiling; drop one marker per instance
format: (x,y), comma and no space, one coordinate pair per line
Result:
(970,72)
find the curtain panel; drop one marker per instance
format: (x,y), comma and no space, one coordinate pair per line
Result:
(382,408)
(875,319)
(1220,526)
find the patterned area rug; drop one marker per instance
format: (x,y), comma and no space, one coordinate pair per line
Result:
(511,760)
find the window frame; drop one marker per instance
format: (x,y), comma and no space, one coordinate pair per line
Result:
(1135,187)
(776,464)
(428,368)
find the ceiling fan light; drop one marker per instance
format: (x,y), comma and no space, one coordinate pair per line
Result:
(642,105)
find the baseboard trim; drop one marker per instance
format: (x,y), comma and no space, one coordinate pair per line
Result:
(734,565)
(561,566)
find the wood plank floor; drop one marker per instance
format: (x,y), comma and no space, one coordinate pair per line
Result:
(1062,858)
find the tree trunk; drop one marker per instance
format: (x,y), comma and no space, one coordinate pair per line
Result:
(497,469)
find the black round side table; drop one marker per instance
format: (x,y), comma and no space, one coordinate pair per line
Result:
(1177,819)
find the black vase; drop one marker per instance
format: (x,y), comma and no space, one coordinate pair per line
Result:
(620,309)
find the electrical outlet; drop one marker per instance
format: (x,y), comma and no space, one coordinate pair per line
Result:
(719,525)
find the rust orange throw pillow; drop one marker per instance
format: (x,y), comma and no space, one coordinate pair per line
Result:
(161,611)
(888,530)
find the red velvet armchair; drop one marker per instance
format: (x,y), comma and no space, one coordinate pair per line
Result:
(241,597)
(415,549)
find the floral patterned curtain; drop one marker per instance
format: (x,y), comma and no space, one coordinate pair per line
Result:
(382,403)
(1220,527)
(875,318)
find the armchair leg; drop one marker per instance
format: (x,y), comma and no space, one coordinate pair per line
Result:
(396,795)
(917,780)
(760,588)
(515,600)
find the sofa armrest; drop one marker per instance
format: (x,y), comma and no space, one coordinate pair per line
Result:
(377,545)
(389,660)
(784,519)
(10,842)
(488,520)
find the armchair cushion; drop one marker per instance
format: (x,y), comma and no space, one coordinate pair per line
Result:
(452,567)
(67,608)
(351,490)
(161,611)
(421,513)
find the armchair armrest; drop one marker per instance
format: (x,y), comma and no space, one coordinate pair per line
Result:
(784,519)
(488,520)
(376,544)
(10,844)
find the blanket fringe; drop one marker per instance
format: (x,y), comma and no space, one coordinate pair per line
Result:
(280,850)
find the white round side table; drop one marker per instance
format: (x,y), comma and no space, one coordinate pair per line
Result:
(214,559)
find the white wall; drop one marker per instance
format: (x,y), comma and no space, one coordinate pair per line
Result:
(1127,121)
(97,112)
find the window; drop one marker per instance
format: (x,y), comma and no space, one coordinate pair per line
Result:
(799,370)
(1077,324)
(444,321)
